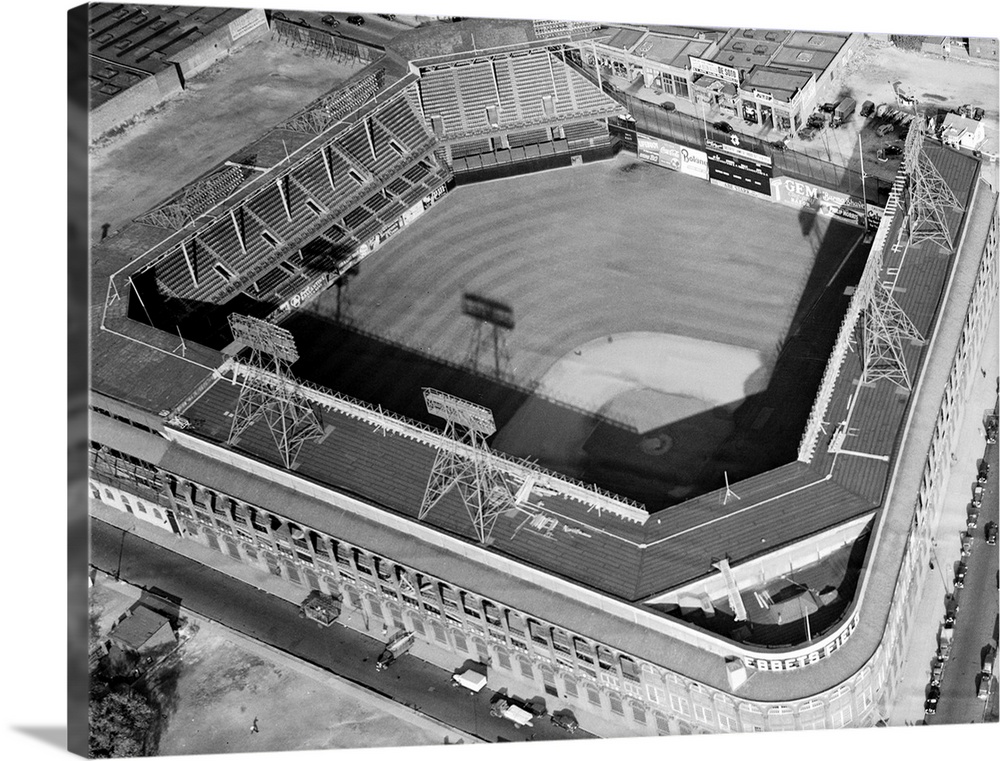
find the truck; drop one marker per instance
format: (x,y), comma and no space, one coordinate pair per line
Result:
(398,645)
(843,111)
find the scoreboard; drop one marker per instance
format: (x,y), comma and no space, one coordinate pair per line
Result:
(733,167)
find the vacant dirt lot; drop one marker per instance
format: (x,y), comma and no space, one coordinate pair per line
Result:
(222,687)
(934,81)
(223,109)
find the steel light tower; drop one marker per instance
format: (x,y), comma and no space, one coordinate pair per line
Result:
(929,194)
(269,389)
(466,464)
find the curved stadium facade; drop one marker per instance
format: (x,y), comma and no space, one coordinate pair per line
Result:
(629,618)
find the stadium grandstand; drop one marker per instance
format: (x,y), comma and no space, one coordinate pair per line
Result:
(644,622)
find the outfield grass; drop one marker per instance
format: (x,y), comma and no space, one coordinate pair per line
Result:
(587,252)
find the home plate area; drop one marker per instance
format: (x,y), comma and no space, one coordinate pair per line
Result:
(660,407)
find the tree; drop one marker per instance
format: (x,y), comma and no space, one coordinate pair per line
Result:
(119,723)
(907,41)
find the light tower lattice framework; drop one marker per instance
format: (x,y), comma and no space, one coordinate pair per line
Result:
(269,390)
(467,463)
(929,194)
(884,324)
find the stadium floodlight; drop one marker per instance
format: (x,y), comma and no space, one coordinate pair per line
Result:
(467,464)
(269,390)
(264,337)
(466,414)
(929,194)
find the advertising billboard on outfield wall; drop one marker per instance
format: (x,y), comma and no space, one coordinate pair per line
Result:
(680,158)
(826,203)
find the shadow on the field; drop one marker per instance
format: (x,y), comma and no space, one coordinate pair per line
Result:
(658,468)
(206,323)
(695,455)
(382,371)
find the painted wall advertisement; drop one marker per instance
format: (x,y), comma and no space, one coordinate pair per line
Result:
(826,203)
(673,156)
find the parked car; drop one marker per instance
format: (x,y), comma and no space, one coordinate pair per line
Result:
(984,472)
(991,533)
(806,133)
(330,20)
(930,705)
(387,16)
(977,496)
(894,149)
(884,129)
(356,20)
(723,127)
(960,571)
(565,721)
(828,108)
(816,121)
(991,429)
(778,145)
(967,541)
(978,114)
(867,109)
(937,671)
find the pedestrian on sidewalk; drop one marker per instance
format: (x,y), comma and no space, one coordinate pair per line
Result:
(253,727)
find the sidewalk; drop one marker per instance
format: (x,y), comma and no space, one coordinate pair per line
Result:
(922,645)
(121,595)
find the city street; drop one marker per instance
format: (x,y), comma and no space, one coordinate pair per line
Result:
(976,622)
(270,619)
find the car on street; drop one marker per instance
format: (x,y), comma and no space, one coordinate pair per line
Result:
(930,705)
(725,127)
(806,133)
(867,108)
(330,20)
(978,114)
(937,671)
(387,16)
(565,721)
(991,533)
(984,472)
(816,121)
(356,20)
(960,571)
(991,429)
(884,129)
(828,108)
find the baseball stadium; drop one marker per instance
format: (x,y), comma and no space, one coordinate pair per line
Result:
(654,447)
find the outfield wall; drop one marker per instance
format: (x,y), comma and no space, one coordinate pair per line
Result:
(736,168)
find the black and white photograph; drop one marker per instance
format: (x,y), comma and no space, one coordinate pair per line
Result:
(461,377)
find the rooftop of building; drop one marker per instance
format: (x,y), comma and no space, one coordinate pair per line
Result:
(671,51)
(136,630)
(130,42)
(780,84)
(960,124)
